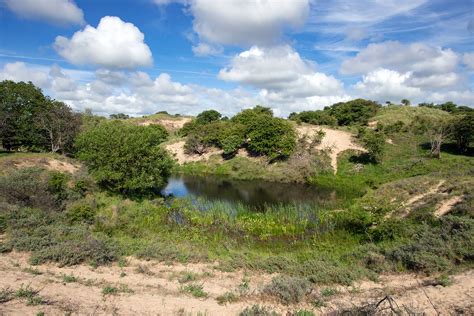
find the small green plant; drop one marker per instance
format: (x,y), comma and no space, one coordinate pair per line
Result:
(244,286)
(34,271)
(110,290)
(288,289)
(187,276)
(227,297)
(329,291)
(143,269)
(195,290)
(303,312)
(69,278)
(6,295)
(318,303)
(122,274)
(30,294)
(257,310)
(40,314)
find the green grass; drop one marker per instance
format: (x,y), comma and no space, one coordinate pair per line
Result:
(195,290)
(391,114)
(69,278)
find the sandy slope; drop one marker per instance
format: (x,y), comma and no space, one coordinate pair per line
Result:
(336,140)
(158,292)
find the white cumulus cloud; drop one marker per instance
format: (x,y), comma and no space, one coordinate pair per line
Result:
(113,44)
(280,70)
(53,11)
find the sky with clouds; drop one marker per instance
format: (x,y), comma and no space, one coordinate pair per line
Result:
(143,56)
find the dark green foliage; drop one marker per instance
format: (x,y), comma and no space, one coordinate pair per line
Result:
(119,116)
(273,137)
(357,111)
(31,121)
(374,142)
(314,117)
(289,290)
(207,117)
(125,158)
(463,131)
(20,104)
(257,310)
(247,116)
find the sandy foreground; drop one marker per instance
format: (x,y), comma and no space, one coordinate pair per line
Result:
(152,288)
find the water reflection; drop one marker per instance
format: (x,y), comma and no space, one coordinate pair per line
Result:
(255,194)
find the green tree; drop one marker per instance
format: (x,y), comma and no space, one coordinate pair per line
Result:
(271,136)
(406,102)
(374,142)
(246,117)
(126,158)
(314,117)
(357,111)
(60,124)
(463,130)
(207,117)
(119,116)
(436,128)
(20,104)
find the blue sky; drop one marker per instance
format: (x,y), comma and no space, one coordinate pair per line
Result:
(184,56)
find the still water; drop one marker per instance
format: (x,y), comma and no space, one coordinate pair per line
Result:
(254,194)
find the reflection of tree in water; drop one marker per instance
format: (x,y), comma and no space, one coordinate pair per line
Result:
(256,193)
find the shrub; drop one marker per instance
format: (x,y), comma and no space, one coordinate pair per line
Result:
(126,158)
(27,187)
(314,117)
(374,142)
(257,310)
(195,290)
(353,112)
(289,290)
(273,137)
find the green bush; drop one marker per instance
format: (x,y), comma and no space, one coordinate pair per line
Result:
(314,117)
(353,112)
(288,289)
(126,158)
(273,137)
(374,142)
(257,310)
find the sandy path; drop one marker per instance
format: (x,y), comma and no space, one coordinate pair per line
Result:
(444,207)
(336,140)
(170,125)
(158,292)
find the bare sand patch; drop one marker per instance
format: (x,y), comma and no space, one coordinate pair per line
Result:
(170,125)
(177,150)
(335,140)
(445,206)
(47,163)
(159,292)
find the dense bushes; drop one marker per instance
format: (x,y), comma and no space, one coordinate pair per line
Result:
(314,117)
(125,158)
(256,129)
(354,112)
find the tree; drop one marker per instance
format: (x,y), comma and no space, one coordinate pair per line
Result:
(207,117)
(271,136)
(463,130)
(126,158)
(357,111)
(61,125)
(436,128)
(119,116)
(314,117)
(405,102)
(246,117)
(374,142)
(20,104)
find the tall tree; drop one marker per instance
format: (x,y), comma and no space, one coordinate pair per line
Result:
(60,124)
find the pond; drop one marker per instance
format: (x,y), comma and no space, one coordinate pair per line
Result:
(254,194)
